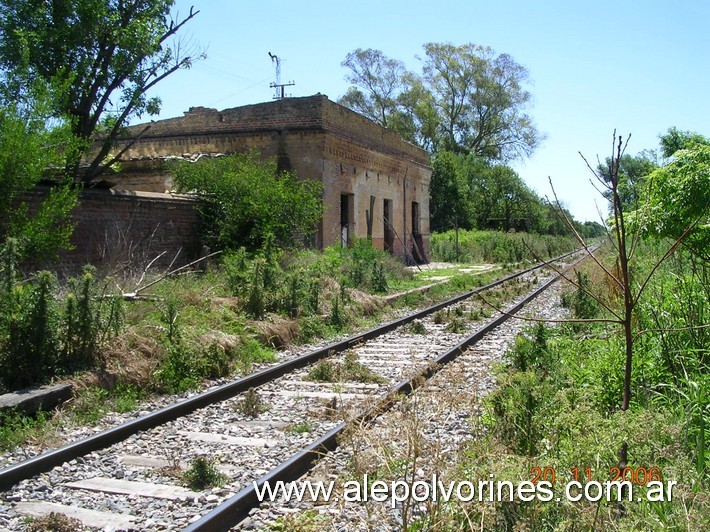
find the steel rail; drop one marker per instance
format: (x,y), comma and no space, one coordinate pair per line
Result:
(13,474)
(236,509)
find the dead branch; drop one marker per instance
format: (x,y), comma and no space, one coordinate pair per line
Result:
(134,295)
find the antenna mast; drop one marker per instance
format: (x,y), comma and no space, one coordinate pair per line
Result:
(277,85)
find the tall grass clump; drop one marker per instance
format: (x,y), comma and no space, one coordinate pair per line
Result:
(48,330)
(556,406)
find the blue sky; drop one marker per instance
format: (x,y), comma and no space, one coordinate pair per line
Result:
(639,67)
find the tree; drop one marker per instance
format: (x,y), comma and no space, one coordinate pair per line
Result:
(245,200)
(480,99)
(678,197)
(674,140)
(448,204)
(377,82)
(27,148)
(102,55)
(633,171)
(628,285)
(467,100)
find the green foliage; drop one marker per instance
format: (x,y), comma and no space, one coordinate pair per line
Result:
(125,397)
(90,317)
(90,405)
(379,279)
(246,200)
(530,352)
(417,327)
(363,266)
(184,366)
(456,326)
(203,474)
(382,77)
(323,371)
(187,359)
(349,370)
(495,246)
(16,428)
(558,406)
(679,195)
(337,318)
(48,229)
(301,428)
(178,372)
(251,404)
(27,149)
(467,100)
(674,140)
(97,54)
(41,335)
(237,269)
(581,302)
(28,331)
(514,407)
(633,178)
(449,195)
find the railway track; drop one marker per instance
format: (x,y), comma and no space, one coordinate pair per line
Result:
(124,477)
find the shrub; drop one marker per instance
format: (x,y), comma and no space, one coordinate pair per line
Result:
(246,199)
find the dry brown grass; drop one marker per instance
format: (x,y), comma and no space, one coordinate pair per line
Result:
(277,331)
(131,358)
(368,303)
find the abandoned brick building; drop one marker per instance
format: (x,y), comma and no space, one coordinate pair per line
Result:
(375,184)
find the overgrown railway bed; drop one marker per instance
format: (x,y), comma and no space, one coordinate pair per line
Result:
(125,477)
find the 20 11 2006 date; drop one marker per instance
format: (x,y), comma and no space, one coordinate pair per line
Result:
(639,475)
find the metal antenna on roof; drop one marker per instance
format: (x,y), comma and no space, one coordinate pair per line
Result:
(277,85)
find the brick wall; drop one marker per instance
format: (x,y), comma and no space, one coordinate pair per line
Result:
(116,229)
(316,138)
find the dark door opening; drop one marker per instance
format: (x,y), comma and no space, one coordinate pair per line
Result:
(346,219)
(388,229)
(417,241)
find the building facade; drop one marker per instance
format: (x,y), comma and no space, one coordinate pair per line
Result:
(374,184)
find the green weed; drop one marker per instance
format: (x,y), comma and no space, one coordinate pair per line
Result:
(251,404)
(203,473)
(348,370)
(417,327)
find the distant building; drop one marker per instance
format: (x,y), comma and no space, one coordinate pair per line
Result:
(375,184)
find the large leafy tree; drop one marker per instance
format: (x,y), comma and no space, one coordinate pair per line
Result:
(468,100)
(376,81)
(102,56)
(480,100)
(469,192)
(675,139)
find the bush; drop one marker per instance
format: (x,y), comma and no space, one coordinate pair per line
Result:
(246,199)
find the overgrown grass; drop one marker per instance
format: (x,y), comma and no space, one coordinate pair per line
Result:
(350,369)
(497,247)
(557,406)
(211,324)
